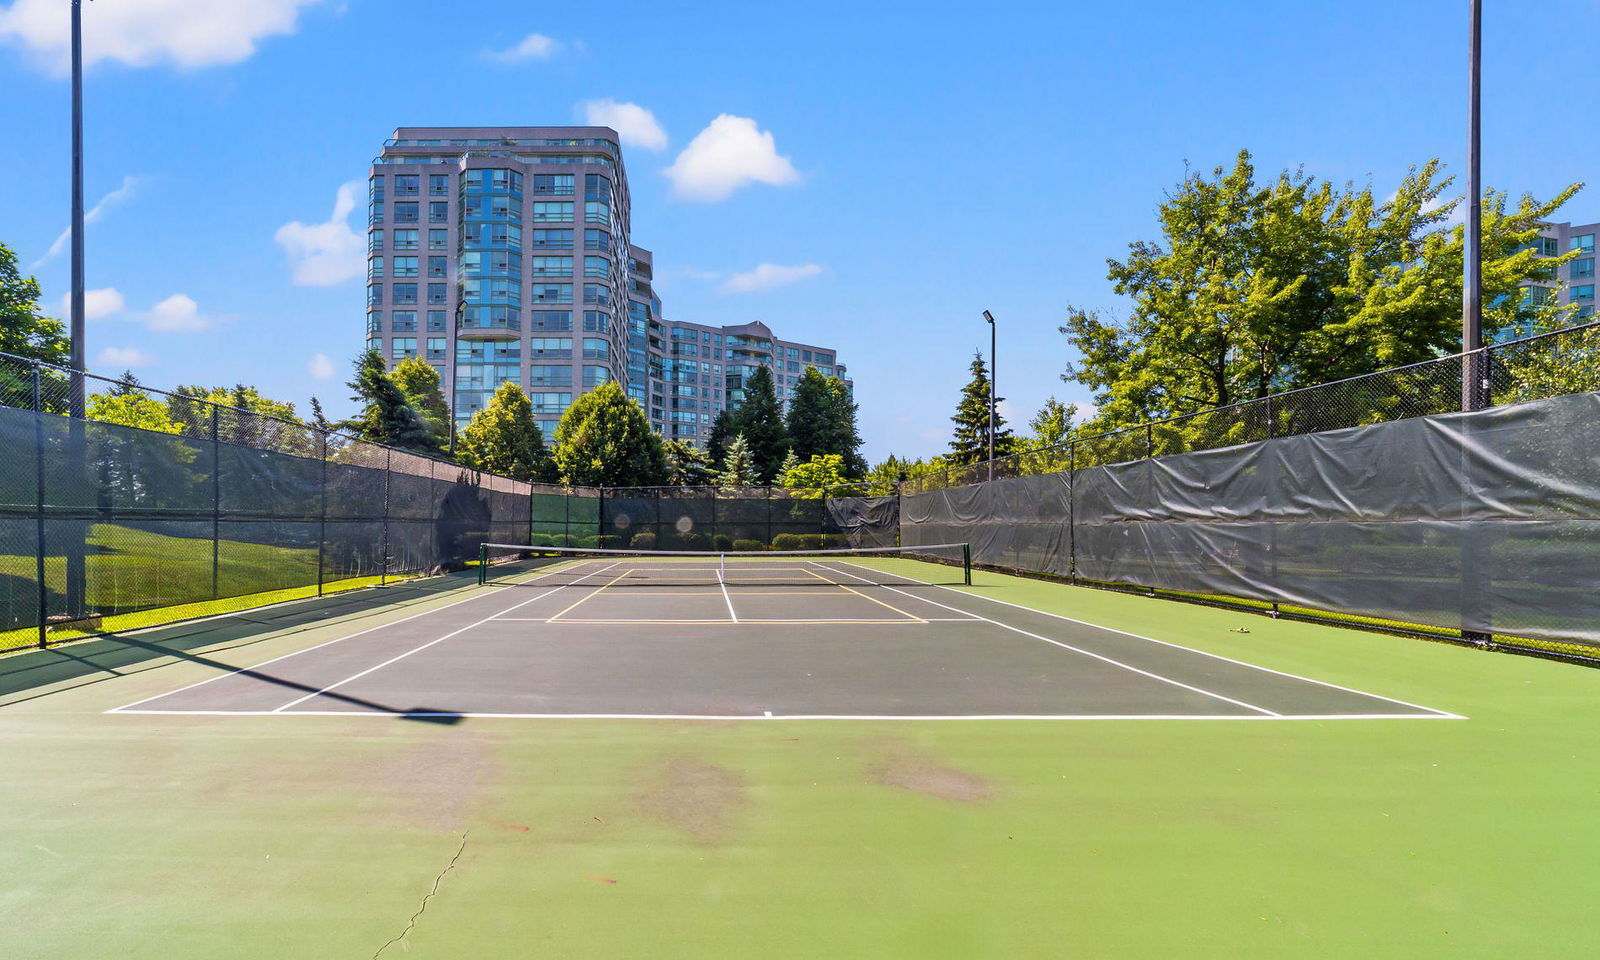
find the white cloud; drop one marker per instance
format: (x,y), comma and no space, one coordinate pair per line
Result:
(535,46)
(327,253)
(320,367)
(125,357)
(94,213)
(729,153)
(186,33)
(97,304)
(767,276)
(636,125)
(178,314)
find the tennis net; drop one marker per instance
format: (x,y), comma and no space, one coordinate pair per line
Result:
(513,564)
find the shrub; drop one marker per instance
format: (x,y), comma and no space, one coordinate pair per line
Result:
(722,543)
(789,541)
(748,546)
(687,541)
(608,541)
(833,541)
(541,540)
(644,540)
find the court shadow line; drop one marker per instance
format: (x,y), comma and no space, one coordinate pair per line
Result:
(109,657)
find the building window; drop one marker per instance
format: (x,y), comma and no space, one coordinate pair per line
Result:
(374,213)
(406,212)
(596,321)
(436,321)
(436,348)
(596,349)
(406,184)
(552,266)
(438,185)
(1584,243)
(375,187)
(375,241)
(543,375)
(552,321)
(1582,269)
(374,321)
(374,268)
(374,294)
(598,267)
(596,293)
(597,240)
(438,212)
(554,211)
(594,376)
(403,321)
(402,348)
(596,187)
(405,266)
(596,211)
(1583,294)
(552,293)
(438,239)
(553,184)
(438,266)
(1585,312)
(438,293)
(550,403)
(553,347)
(375,343)
(405,293)
(405,239)
(553,239)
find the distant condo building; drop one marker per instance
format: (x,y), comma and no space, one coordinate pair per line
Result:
(485,259)
(1574,283)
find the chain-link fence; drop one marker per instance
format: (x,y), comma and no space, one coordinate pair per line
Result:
(122,505)
(1373,501)
(747,518)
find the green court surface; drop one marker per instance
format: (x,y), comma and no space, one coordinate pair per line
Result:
(242,836)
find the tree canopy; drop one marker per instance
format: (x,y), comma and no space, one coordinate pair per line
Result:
(822,420)
(686,465)
(1253,289)
(605,440)
(738,466)
(816,476)
(503,438)
(25,330)
(386,416)
(419,381)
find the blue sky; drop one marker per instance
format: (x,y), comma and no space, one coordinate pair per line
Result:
(940,159)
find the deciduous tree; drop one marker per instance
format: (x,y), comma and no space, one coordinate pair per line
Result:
(604,440)
(503,438)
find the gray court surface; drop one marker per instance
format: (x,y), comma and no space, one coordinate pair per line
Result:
(826,638)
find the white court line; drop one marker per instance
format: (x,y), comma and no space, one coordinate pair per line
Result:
(1178,646)
(1068,646)
(349,636)
(729,600)
(357,676)
(667,622)
(441,714)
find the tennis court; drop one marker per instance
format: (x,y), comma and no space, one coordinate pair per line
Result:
(869,635)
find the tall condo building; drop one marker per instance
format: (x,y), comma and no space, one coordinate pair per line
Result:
(504,253)
(1575,284)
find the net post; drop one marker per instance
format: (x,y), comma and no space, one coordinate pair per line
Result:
(966,564)
(322,510)
(483,564)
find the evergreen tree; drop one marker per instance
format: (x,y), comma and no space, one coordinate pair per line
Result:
(760,420)
(504,439)
(605,440)
(386,415)
(790,461)
(318,418)
(971,441)
(721,433)
(419,381)
(822,419)
(738,466)
(686,465)
(884,478)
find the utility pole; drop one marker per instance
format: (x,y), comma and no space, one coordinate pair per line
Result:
(76,546)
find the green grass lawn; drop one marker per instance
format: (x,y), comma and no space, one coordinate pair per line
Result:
(223,837)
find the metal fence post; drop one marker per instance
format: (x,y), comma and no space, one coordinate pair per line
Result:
(322,514)
(216,506)
(383,559)
(38,514)
(1072,511)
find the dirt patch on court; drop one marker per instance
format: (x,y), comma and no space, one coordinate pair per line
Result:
(436,784)
(699,799)
(902,767)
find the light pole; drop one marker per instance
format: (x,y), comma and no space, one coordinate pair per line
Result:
(990,318)
(76,547)
(1472,372)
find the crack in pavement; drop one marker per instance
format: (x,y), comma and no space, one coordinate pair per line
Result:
(411,924)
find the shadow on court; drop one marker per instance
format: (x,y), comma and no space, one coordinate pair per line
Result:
(114,655)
